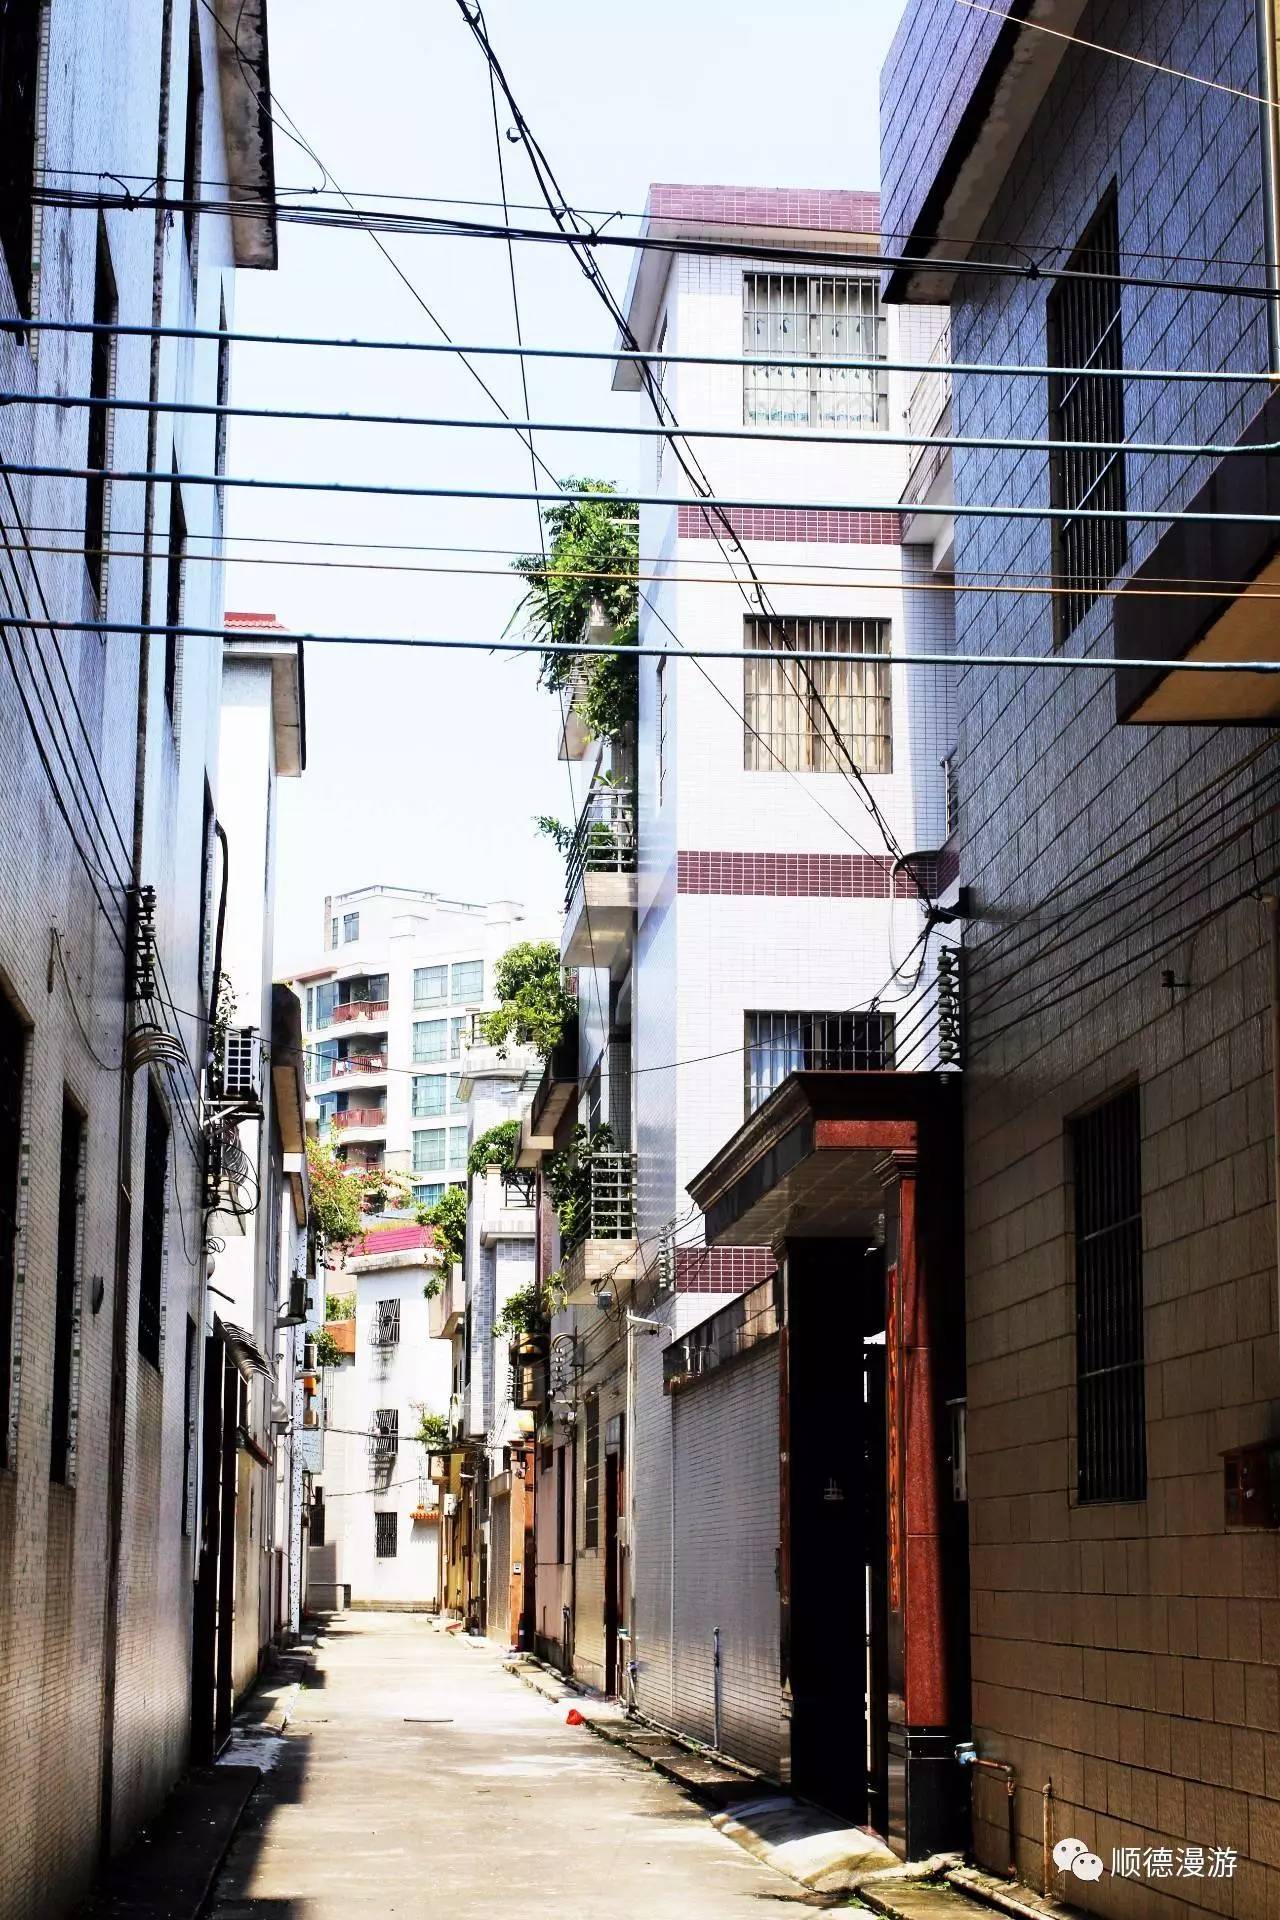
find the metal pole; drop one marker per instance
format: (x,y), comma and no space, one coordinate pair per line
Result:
(1265,13)
(715,1689)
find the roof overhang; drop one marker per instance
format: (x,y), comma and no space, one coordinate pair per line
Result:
(244,86)
(246,1355)
(288,1085)
(288,691)
(1235,617)
(807,1164)
(1003,99)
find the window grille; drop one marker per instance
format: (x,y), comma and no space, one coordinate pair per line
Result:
(154,1198)
(813,717)
(951,790)
(467,982)
(102,358)
(1111,1443)
(430,986)
(429,1150)
(792,317)
(385,1441)
(385,1535)
(781,1043)
(19,96)
(429,1041)
(193,143)
(70,1195)
(591,1488)
(1087,404)
(386,1323)
(428,1095)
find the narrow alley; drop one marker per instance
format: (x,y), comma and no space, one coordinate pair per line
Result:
(412,1763)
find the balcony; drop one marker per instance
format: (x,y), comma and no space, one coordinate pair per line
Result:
(349,1010)
(530,1365)
(600,882)
(929,477)
(554,1095)
(445,1310)
(605,1249)
(370,1118)
(357,1063)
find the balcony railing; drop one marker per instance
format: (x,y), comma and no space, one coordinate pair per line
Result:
(932,390)
(604,840)
(360,1010)
(610,1213)
(360,1117)
(358,1063)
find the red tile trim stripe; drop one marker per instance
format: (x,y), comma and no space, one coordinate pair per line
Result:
(722,1269)
(799,526)
(825,876)
(829,209)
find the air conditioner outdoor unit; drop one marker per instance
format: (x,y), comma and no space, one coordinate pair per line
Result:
(295,1313)
(242,1064)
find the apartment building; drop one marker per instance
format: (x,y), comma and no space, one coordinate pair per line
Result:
(748,891)
(1117,842)
(388,1011)
(375,1512)
(110,750)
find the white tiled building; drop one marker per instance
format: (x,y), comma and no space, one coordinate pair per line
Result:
(387,1015)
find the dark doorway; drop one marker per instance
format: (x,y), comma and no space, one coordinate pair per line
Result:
(215,1566)
(612,1585)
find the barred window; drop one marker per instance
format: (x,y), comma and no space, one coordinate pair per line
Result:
(1086,404)
(812,318)
(428,1095)
(430,1038)
(386,1323)
(430,986)
(467,981)
(386,1432)
(781,1043)
(1111,1414)
(385,1535)
(813,717)
(591,1481)
(429,1150)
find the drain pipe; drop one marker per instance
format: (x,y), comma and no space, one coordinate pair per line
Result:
(1265,14)
(715,1688)
(967,1755)
(1046,1831)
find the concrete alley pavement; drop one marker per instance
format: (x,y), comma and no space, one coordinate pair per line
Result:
(416,1777)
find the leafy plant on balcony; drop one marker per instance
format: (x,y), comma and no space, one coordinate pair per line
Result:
(335,1200)
(381,1188)
(526,1312)
(339,1306)
(496,1148)
(534,1005)
(567,1175)
(328,1352)
(592,558)
(448,1223)
(433,1429)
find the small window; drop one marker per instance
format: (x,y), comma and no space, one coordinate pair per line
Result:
(1111,1414)
(13,1059)
(386,1323)
(316,1534)
(66,1292)
(386,1432)
(428,1095)
(102,362)
(458,1025)
(350,926)
(430,986)
(430,1038)
(193,140)
(333,933)
(591,1487)
(175,571)
(466,984)
(791,323)
(385,1535)
(1083,331)
(19,97)
(155,1183)
(781,1043)
(457,1148)
(815,717)
(428,1193)
(429,1150)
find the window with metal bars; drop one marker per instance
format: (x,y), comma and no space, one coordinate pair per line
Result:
(386,1323)
(591,1477)
(385,1535)
(1086,413)
(70,1196)
(816,716)
(13,1057)
(385,1440)
(102,358)
(19,97)
(792,318)
(175,575)
(155,1182)
(781,1043)
(1111,1431)
(193,141)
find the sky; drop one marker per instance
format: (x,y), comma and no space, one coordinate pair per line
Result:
(427,769)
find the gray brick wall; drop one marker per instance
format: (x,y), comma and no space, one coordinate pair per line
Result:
(1127,1651)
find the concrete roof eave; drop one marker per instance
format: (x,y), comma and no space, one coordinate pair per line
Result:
(244,86)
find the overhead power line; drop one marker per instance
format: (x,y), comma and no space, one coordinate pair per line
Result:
(829,437)
(637,356)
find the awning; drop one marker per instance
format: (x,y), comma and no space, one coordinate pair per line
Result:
(246,1355)
(808,1163)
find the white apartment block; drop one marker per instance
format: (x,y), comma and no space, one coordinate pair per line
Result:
(109,746)
(388,1013)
